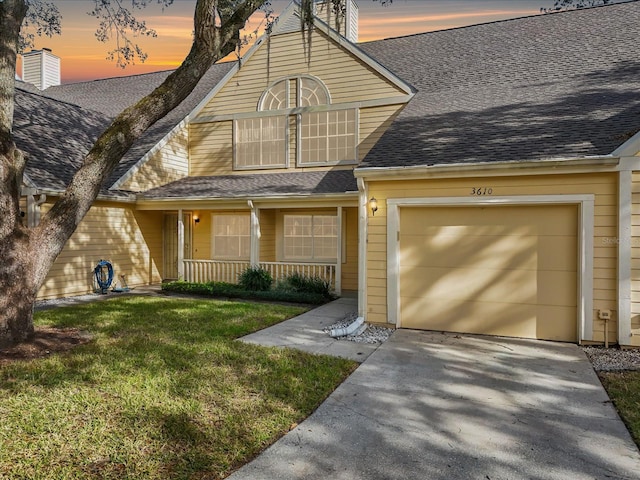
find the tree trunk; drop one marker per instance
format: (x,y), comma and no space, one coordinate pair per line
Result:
(26,255)
(17,293)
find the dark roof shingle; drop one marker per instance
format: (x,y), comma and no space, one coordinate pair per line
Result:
(258,185)
(560,85)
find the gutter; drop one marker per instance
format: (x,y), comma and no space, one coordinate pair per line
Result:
(463,169)
(244,199)
(129,198)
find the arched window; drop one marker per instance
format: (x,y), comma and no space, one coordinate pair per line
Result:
(312,92)
(275,97)
(324,136)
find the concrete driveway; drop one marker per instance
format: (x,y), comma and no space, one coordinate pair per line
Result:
(442,406)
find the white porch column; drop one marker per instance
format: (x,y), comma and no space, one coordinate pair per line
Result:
(180,245)
(339,254)
(255,235)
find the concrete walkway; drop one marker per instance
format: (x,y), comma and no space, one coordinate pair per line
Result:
(305,332)
(433,406)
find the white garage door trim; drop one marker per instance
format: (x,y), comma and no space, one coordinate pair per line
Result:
(585,205)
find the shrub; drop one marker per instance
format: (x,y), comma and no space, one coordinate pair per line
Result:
(297,282)
(255,279)
(229,290)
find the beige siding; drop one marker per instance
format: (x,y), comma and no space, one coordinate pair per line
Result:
(604,186)
(168,164)
(201,234)
(268,235)
(350,260)
(210,148)
(635,259)
(373,123)
(130,240)
(347,78)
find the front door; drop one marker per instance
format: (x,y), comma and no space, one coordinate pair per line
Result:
(170,229)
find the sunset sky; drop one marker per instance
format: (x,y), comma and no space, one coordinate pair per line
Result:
(84,58)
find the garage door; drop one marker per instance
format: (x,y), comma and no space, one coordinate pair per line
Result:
(497,270)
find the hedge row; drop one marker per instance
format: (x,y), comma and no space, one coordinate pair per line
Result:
(230,290)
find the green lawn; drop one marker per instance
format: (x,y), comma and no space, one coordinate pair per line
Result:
(162,392)
(624,390)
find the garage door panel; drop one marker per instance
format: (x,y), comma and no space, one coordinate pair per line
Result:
(514,286)
(496,270)
(557,288)
(500,219)
(440,284)
(559,253)
(491,252)
(511,320)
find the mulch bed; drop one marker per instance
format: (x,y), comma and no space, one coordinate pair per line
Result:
(47,340)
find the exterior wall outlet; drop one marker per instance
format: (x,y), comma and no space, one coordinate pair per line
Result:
(604,314)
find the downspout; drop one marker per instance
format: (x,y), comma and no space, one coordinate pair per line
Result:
(338,279)
(351,329)
(362,247)
(181,245)
(254,255)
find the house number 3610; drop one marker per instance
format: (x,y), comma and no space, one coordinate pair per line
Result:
(481,191)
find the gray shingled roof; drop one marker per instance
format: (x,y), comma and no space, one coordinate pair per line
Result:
(54,135)
(57,127)
(258,185)
(110,96)
(551,86)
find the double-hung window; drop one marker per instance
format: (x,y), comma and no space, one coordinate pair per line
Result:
(310,238)
(260,142)
(297,108)
(231,237)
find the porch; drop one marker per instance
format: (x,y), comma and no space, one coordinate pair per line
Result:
(229,271)
(219,244)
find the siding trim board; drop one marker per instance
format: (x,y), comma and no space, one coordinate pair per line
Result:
(585,246)
(606,163)
(625,202)
(378,102)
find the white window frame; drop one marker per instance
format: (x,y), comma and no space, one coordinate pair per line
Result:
(312,259)
(265,94)
(356,137)
(285,144)
(214,217)
(585,203)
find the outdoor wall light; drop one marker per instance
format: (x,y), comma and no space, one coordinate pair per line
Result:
(373,205)
(196,219)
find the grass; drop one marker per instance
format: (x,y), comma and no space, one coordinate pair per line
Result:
(624,390)
(162,392)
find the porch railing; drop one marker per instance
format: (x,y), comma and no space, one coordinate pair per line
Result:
(229,271)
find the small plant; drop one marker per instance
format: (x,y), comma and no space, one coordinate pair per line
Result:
(255,279)
(297,282)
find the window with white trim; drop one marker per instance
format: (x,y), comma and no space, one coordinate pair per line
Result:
(327,137)
(231,237)
(260,142)
(310,237)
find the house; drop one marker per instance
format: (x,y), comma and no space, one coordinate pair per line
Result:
(483,179)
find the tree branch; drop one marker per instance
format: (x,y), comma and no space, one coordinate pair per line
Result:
(211,43)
